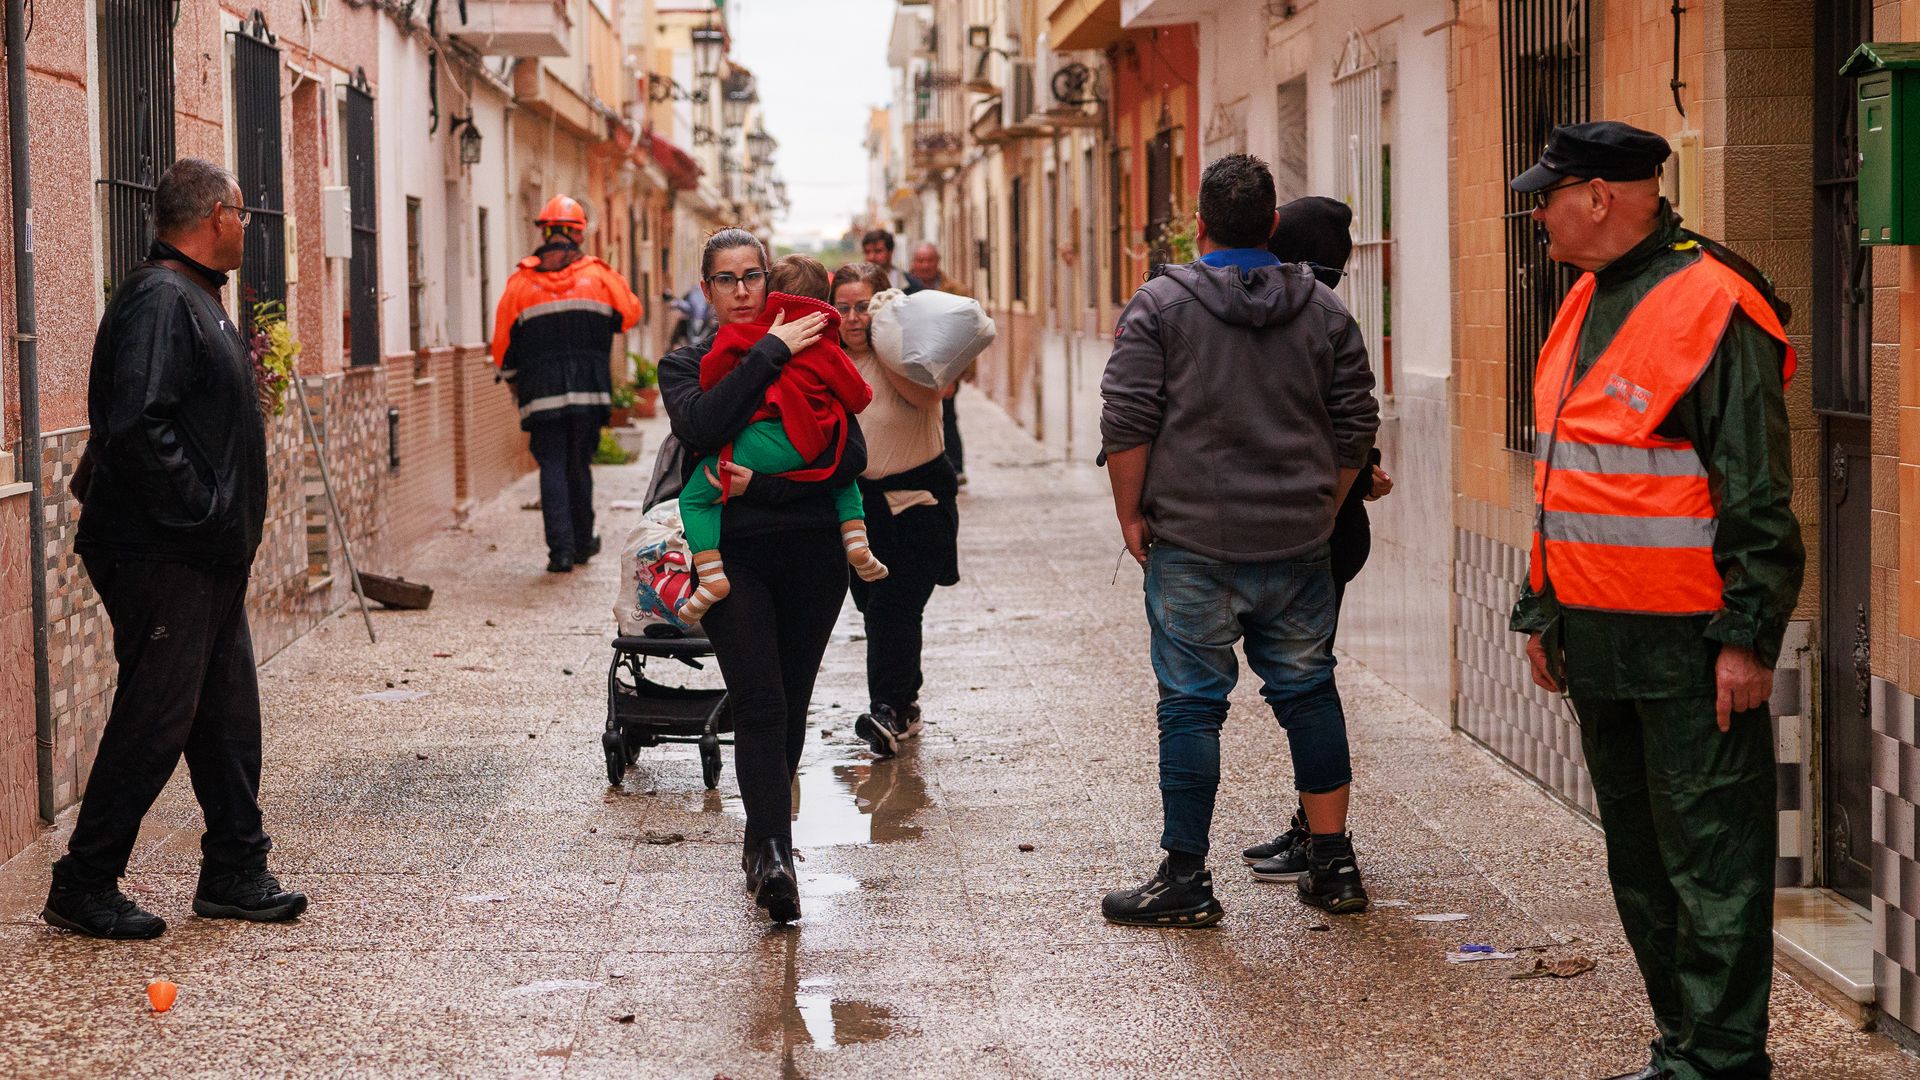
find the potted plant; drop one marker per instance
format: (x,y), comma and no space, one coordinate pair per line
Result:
(646,386)
(275,355)
(622,405)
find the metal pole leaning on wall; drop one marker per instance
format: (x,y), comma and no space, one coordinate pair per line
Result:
(26,350)
(333,506)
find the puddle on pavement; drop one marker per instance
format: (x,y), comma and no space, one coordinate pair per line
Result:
(843,800)
(812,1015)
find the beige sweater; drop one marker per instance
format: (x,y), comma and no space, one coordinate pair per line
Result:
(900,435)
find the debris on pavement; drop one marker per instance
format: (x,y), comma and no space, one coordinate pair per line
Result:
(551,986)
(396,592)
(662,838)
(1452,916)
(1565,967)
(1026,847)
(1318,927)
(1393,903)
(486,898)
(393,695)
(443,656)
(1468,953)
(160,995)
(623,1018)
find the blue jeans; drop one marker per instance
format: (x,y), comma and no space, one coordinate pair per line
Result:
(1197,608)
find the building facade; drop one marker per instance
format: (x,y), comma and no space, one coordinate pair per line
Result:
(393,158)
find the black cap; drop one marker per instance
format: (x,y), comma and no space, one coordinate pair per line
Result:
(1603,150)
(1315,230)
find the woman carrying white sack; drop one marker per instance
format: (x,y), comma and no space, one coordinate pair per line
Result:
(909,349)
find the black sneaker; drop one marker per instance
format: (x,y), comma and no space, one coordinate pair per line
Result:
(588,552)
(1295,836)
(101,913)
(771,879)
(1165,900)
(1332,878)
(254,895)
(877,728)
(560,564)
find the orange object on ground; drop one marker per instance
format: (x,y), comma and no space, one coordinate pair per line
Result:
(160,994)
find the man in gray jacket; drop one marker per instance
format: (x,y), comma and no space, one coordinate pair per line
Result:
(1239,409)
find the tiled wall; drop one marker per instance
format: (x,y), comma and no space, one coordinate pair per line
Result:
(1498,703)
(1896,866)
(387,514)
(19,803)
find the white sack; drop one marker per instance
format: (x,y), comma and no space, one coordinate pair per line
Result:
(930,337)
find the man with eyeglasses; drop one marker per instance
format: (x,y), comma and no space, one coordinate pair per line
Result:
(553,338)
(1665,564)
(173,491)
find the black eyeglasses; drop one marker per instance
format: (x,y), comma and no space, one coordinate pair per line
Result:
(752,279)
(858,308)
(1544,195)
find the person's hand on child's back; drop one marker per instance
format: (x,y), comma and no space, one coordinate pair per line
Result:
(800,334)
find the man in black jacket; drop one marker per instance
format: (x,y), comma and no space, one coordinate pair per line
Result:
(174,493)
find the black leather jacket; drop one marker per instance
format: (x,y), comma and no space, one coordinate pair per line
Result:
(176,461)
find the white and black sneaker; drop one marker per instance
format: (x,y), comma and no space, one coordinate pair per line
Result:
(1165,900)
(1295,837)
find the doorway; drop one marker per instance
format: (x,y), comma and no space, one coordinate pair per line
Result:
(1842,353)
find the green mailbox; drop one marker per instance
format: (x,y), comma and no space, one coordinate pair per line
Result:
(1886,104)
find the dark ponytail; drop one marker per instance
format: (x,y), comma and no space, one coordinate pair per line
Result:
(727,240)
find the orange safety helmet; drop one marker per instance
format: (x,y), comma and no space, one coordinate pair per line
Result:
(562,211)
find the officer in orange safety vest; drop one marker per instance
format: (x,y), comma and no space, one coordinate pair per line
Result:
(553,338)
(1666,562)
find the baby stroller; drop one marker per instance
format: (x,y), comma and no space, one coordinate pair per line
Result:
(641,711)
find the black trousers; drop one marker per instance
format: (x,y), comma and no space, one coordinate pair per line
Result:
(187,686)
(950,424)
(564,447)
(895,606)
(769,635)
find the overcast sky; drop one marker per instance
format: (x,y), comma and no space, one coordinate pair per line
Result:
(821,64)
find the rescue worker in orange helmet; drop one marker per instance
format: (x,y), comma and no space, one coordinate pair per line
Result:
(1666,562)
(554,337)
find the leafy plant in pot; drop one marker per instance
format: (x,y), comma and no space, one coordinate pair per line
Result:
(275,356)
(646,386)
(622,406)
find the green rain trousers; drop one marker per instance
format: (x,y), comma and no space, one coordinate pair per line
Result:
(1689,815)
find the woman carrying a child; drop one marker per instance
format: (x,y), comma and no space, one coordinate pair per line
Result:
(774,557)
(913,521)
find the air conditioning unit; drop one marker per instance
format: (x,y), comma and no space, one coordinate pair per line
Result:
(1016,101)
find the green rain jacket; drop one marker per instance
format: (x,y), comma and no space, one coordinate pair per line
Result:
(1736,418)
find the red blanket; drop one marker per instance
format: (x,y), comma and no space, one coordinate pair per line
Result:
(815,392)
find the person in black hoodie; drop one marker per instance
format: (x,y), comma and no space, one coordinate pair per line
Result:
(1314,230)
(781,542)
(173,490)
(1237,410)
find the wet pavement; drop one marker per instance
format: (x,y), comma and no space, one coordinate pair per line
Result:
(484,904)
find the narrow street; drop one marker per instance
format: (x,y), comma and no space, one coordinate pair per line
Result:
(485,905)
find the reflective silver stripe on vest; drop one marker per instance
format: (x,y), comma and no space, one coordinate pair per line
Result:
(1612,460)
(1616,530)
(558,307)
(561,401)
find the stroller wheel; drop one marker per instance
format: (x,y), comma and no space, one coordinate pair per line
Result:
(616,751)
(710,762)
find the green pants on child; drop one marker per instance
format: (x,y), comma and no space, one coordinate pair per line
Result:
(764,448)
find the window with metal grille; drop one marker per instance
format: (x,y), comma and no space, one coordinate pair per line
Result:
(256,144)
(486,278)
(1017,211)
(136,123)
(416,281)
(1544,81)
(363,270)
(1121,205)
(1360,134)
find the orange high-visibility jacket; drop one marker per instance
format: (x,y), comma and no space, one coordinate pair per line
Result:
(1626,519)
(553,336)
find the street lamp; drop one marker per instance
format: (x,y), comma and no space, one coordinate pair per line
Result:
(736,94)
(760,144)
(709,44)
(469,139)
